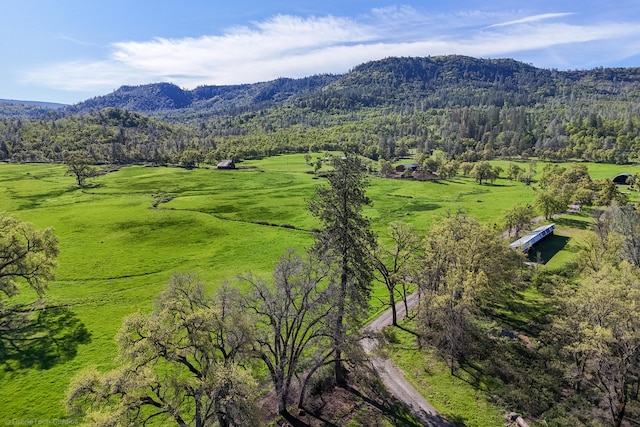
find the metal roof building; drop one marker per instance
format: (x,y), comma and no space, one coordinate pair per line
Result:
(531,238)
(622,178)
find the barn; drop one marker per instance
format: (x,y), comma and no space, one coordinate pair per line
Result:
(226,164)
(413,166)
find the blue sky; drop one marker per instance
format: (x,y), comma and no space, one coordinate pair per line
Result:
(70,50)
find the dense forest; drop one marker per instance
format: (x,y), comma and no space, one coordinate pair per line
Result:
(469,108)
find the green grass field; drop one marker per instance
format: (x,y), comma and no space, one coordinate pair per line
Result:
(117,251)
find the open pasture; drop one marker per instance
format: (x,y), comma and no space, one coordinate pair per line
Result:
(117,250)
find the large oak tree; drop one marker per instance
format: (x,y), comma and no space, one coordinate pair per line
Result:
(598,328)
(179,365)
(465,265)
(292,318)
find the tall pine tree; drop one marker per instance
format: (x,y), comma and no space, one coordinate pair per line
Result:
(345,241)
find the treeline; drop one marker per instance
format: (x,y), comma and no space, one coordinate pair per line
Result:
(407,82)
(466,134)
(161,99)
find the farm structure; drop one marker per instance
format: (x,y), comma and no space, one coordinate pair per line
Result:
(226,164)
(531,238)
(624,178)
(413,166)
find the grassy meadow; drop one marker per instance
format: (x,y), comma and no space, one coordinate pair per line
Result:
(117,250)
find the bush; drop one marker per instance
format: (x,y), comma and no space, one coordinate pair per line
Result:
(322,381)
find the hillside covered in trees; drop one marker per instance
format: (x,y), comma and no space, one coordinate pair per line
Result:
(469,108)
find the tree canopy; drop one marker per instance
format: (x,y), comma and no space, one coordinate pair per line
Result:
(27,255)
(471,109)
(179,365)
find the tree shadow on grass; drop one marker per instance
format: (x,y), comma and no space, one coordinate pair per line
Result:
(421,206)
(36,200)
(37,336)
(511,372)
(548,248)
(581,224)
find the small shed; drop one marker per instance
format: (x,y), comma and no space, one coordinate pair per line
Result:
(622,178)
(226,164)
(413,166)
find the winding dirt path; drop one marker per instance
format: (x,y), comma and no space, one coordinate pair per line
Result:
(393,377)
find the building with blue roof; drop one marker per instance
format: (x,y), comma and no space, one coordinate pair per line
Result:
(531,238)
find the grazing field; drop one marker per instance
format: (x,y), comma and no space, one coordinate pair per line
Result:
(123,237)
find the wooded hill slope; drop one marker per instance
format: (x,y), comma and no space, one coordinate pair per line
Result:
(467,107)
(419,83)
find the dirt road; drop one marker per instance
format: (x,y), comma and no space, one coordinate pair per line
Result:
(393,377)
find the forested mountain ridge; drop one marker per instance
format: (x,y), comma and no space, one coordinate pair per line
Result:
(469,108)
(165,97)
(425,82)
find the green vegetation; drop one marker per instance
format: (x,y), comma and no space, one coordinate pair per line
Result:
(520,136)
(471,109)
(179,365)
(116,250)
(458,398)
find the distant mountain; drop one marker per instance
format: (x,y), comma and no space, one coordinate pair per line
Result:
(413,82)
(52,105)
(468,108)
(159,98)
(27,109)
(461,81)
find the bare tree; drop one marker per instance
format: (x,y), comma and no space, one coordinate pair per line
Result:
(394,264)
(625,221)
(292,317)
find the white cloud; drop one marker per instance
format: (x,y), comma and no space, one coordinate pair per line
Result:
(533,18)
(280,37)
(290,46)
(83,76)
